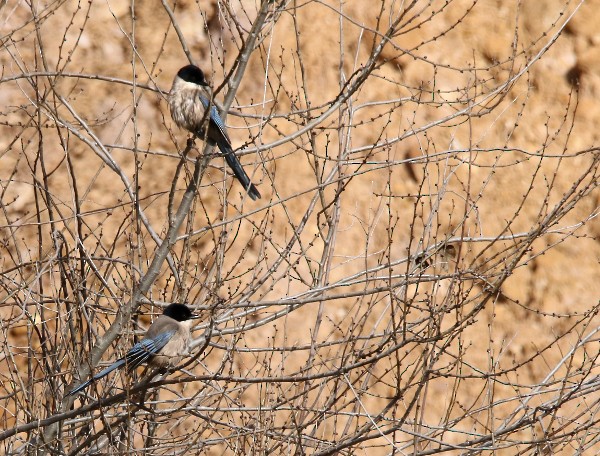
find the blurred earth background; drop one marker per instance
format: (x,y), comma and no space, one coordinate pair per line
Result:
(565,279)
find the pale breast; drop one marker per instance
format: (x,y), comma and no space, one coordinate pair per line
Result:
(186,109)
(175,350)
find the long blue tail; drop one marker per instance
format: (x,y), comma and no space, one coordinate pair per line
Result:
(237,169)
(217,132)
(98,376)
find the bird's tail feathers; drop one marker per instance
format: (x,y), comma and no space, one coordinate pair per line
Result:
(98,376)
(237,169)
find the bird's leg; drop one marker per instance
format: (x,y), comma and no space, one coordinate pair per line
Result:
(190,145)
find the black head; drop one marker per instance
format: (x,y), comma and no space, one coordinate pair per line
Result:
(179,312)
(193,74)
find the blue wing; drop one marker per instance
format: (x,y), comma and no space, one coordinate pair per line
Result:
(146,348)
(215,120)
(138,354)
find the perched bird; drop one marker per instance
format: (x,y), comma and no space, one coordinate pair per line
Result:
(189,98)
(165,343)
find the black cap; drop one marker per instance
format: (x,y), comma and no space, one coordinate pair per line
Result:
(191,73)
(179,312)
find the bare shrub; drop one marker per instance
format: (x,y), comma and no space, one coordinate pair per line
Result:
(390,292)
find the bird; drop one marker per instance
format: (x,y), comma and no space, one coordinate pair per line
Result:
(165,343)
(189,98)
